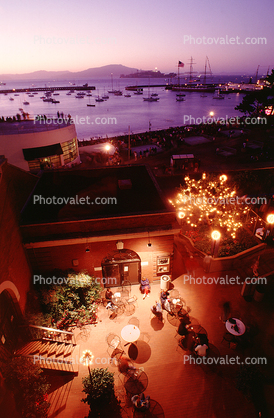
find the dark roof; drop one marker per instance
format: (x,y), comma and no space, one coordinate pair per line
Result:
(41,152)
(143,197)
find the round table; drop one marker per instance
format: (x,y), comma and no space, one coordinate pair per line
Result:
(130,333)
(136,384)
(231,330)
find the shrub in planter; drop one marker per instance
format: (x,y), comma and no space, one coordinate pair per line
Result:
(99,388)
(30,388)
(74,303)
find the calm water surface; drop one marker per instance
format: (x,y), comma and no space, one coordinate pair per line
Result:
(119,114)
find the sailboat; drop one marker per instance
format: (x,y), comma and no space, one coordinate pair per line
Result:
(112,91)
(105,96)
(149,97)
(218,96)
(204,82)
(89,104)
(180,96)
(190,86)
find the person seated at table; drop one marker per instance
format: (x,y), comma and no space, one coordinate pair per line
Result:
(201,350)
(165,301)
(145,287)
(125,367)
(141,402)
(108,296)
(157,310)
(202,339)
(262,233)
(183,328)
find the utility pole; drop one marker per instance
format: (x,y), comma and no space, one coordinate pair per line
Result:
(129,143)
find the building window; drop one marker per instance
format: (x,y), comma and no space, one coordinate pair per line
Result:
(45,163)
(70,150)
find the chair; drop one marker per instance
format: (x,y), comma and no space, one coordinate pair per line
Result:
(134,321)
(157,314)
(116,355)
(130,305)
(126,287)
(113,340)
(235,314)
(116,310)
(229,339)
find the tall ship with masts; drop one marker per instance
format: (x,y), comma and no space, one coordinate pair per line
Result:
(192,84)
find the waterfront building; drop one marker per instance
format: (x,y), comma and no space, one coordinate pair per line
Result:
(44,144)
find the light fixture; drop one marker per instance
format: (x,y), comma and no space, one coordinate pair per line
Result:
(87,247)
(223,177)
(215,235)
(87,359)
(149,243)
(119,245)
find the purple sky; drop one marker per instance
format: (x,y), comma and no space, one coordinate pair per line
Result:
(76,35)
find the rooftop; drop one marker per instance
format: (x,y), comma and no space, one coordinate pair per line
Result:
(32,125)
(105,193)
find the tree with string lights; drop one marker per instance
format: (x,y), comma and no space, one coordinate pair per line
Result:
(210,201)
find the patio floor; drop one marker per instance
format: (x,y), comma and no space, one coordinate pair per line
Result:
(180,389)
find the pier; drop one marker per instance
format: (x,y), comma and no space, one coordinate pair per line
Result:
(51,89)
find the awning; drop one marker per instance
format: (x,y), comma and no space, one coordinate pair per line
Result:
(42,152)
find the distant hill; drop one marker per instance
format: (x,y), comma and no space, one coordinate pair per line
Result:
(105,71)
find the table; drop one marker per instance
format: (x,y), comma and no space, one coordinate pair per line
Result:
(177,312)
(136,384)
(118,300)
(130,333)
(231,330)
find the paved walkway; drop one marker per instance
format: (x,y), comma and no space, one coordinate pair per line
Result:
(181,389)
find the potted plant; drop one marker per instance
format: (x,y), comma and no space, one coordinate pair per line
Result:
(99,388)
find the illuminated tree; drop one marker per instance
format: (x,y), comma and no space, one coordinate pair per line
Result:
(211,201)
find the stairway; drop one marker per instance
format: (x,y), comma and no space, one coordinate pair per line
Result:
(51,349)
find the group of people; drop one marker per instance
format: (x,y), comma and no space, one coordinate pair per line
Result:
(125,367)
(200,343)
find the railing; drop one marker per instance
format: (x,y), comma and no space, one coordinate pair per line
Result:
(254,221)
(52,334)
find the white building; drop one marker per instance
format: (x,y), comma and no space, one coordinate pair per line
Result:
(39,144)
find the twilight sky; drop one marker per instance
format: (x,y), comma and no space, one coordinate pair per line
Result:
(78,34)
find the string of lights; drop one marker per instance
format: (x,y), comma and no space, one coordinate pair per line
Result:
(211,201)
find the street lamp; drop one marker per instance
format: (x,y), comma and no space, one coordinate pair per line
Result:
(223,177)
(87,359)
(181,216)
(215,237)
